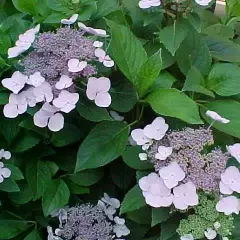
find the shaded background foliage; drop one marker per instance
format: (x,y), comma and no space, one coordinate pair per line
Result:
(198,55)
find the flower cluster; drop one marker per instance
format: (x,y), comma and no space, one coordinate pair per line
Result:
(56,62)
(145,4)
(187,166)
(92,222)
(4,171)
(206,221)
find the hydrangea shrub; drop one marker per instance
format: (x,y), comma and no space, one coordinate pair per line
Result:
(119,120)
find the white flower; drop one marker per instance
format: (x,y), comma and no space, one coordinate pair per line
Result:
(104,58)
(143,156)
(146,146)
(108,210)
(230,181)
(139,137)
(4,172)
(187,237)
(51,236)
(74,65)
(210,234)
(24,42)
(157,129)
(97,90)
(216,117)
(217,225)
(48,116)
(185,195)
(94,31)
(29,96)
(155,192)
(66,101)
(228,205)
(163,152)
(5,154)
(120,229)
(116,116)
(15,51)
(35,79)
(111,201)
(149,3)
(61,213)
(234,150)
(172,174)
(71,20)
(64,82)
(17,104)
(43,92)
(98,44)
(16,82)
(203,2)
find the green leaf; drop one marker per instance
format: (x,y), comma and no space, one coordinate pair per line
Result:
(148,73)
(172,36)
(16,174)
(76,189)
(26,6)
(25,195)
(164,80)
(52,166)
(141,215)
(60,5)
(54,18)
(133,200)
(33,235)
(9,185)
(11,228)
(222,49)
(25,142)
(105,143)
(126,48)
(159,215)
(168,229)
(219,30)
(87,177)
(55,196)
(195,83)
(91,112)
(224,79)
(122,175)
(123,94)
(195,21)
(3,98)
(131,158)
(104,7)
(228,109)
(194,52)
(68,135)
(173,103)
(38,175)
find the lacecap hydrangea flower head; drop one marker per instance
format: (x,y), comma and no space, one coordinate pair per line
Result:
(56,65)
(190,174)
(88,221)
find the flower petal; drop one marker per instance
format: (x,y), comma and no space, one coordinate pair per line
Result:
(56,122)
(103,99)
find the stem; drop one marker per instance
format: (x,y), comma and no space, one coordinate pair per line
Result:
(13,214)
(210,125)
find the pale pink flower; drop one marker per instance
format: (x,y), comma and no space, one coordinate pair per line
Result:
(185,195)
(163,152)
(104,58)
(172,174)
(94,31)
(64,82)
(234,150)
(216,117)
(4,172)
(71,20)
(155,192)
(157,129)
(144,4)
(228,205)
(230,179)
(139,137)
(97,90)
(74,65)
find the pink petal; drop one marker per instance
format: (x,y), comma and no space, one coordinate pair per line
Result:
(224,189)
(109,63)
(144,5)
(100,53)
(144,184)
(41,118)
(6,173)
(92,88)
(103,84)
(56,122)
(10,111)
(103,99)
(68,108)
(179,203)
